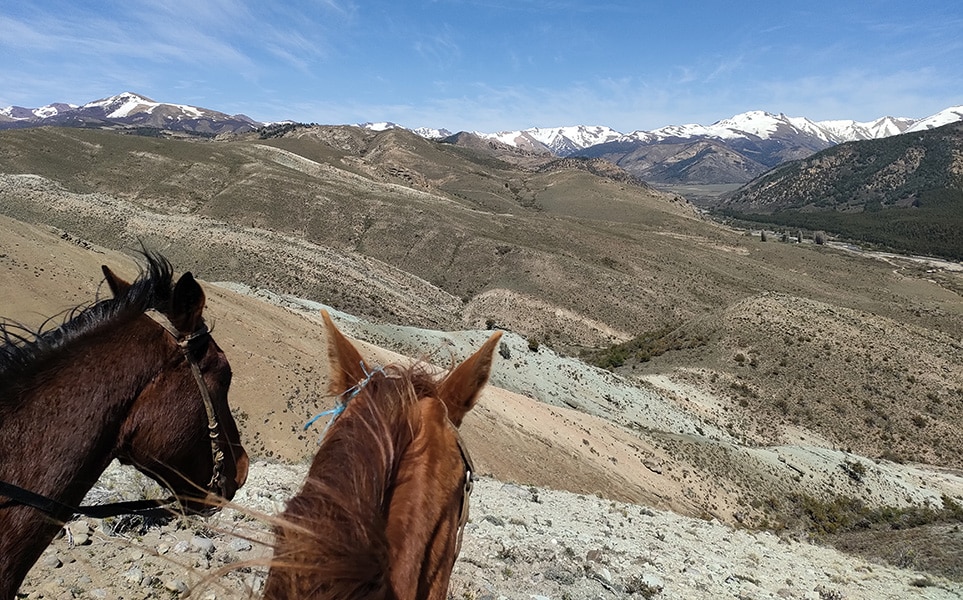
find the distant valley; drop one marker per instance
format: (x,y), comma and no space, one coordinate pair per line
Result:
(903,193)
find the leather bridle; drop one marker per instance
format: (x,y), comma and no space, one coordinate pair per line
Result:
(466,491)
(217,484)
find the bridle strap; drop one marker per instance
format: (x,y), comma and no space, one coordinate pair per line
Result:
(466,492)
(218,482)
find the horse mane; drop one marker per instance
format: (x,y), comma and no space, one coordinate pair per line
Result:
(22,350)
(334,530)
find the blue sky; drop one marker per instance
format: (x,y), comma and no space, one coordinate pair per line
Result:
(492,65)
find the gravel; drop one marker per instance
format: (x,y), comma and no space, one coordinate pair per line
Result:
(521,543)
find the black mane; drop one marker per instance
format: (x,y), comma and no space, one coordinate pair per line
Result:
(22,348)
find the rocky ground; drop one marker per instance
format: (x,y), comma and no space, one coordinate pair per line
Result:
(521,543)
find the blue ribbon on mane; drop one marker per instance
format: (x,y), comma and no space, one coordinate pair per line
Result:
(343,399)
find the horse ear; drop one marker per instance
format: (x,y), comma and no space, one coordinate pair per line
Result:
(117,285)
(460,389)
(187,304)
(347,366)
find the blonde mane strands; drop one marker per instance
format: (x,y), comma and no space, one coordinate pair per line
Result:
(333,532)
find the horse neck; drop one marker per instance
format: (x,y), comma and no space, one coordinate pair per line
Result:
(59,425)
(422,515)
(59,431)
(70,409)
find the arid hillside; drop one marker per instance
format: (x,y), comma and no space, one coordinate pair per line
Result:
(674,441)
(902,192)
(463,236)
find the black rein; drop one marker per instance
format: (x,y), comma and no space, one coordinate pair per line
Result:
(55,508)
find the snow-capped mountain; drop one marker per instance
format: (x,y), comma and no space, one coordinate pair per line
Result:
(425,132)
(380,126)
(753,124)
(19,113)
(432,134)
(764,125)
(127,110)
(561,141)
(944,117)
(732,150)
(850,131)
(127,104)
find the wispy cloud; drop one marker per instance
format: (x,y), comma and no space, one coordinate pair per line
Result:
(439,48)
(725,66)
(138,35)
(20,35)
(862,94)
(220,34)
(298,34)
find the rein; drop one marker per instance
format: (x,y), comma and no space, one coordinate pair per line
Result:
(148,508)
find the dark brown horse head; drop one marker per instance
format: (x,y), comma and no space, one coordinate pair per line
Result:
(136,377)
(180,430)
(381,512)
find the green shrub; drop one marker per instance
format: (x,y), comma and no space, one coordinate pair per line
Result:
(842,513)
(644,347)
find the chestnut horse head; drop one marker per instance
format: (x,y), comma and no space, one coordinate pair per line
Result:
(136,377)
(381,511)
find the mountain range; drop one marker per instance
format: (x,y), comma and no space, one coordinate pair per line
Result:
(128,110)
(734,150)
(731,151)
